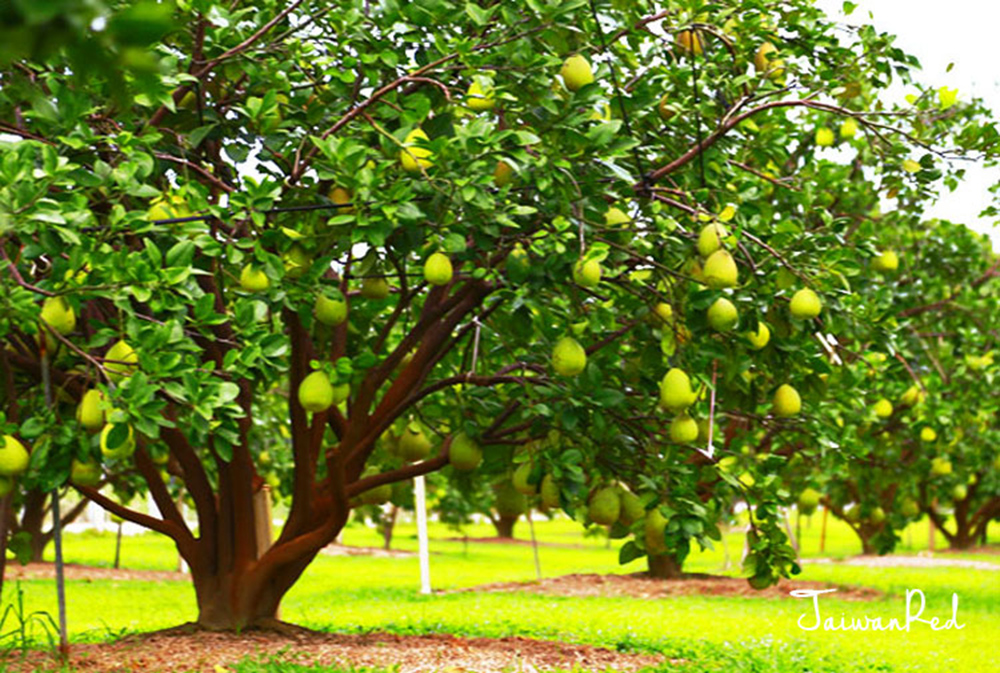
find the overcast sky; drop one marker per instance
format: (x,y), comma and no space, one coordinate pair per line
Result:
(963,32)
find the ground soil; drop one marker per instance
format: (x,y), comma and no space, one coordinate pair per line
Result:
(511,540)
(34,571)
(374,552)
(908,562)
(641,585)
(170,652)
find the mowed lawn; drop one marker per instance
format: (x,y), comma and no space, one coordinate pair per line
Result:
(359,593)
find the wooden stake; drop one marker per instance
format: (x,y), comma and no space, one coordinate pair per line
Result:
(420,497)
(822,532)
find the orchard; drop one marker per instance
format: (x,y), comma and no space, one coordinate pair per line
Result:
(664,271)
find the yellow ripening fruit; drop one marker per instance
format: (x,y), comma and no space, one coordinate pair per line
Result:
(911,166)
(848,128)
(710,238)
(883,408)
(464,454)
(297,261)
(117,443)
(587,273)
(123,360)
(690,42)
(722,315)
(886,262)
(824,136)
(913,396)
(315,392)
(720,270)
(761,337)
(413,157)
(940,466)
(809,500)
(568,357)
(330,311)
(605,506)
(766,61)
(58,313)
(683,429)
(375,287)
(632,509)
(576,72)
(89,413)
(928,434)
(675,390)
(663,312)
(787,402)
(664,109)
(341,392)
(502,174)
(85,473)
(414,444)
(959,492)
(437,269)
(549,490)
(342,197)
(805,304)
(167,207)
(479,99)
(253,279)
(616,216)
(13,456)
(654,528)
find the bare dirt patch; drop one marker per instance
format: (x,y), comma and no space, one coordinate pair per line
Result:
(72,571)
(173,652)
(908,562)
(641,585)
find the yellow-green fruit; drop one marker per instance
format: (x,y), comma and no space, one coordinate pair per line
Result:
(765,61)
(675,390)
(377,495)
(576,72)
(253,279)
(631,509)
(342,197)
(722,315)
(886,262)
(414,444)
(848,128)
(509,502)
(824,136)
(761,337)
(690,42)
(909,508)
(85,474)
(297,262)
(464,454)
(616,216)
(655,525)
(330,311)
(437,269)
(852,513)
(315,392)
(809,501)
(549,491)
(117,442)
(663,312)
(605,506)
(683,429)
(502,174)
(663,107)
(913,396)
(520,479)
(518,264)
(805,304)
(341,392)
(940,466)
(720,270)
(6,486)
(568,357)
(959,492)
(168,207)
(375,287)
(477,99)
(883,408)
(120,360)
(89,413)
(877,515)
(787,402)
(710,238)
(928,434)
(413,157)
(587,273)
(57,312)
(13,457)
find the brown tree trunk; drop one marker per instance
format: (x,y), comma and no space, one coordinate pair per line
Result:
(388,526)
(664,567)
(504,523)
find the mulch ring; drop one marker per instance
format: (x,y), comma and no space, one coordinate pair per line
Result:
(203,651)
(923,561)
(640,585)
(72,571)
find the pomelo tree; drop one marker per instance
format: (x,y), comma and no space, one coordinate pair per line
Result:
(435,232)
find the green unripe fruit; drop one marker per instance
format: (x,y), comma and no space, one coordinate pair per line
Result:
(675,391)
(6,486)
(550,492)
(60,316)
(120,360)
(710,238)
(605,506)
(502,174)
(722,315)
(959,492)
(315,392)
(117,440)
(787,402)
(720,270)
(568,357)
(631,509)
(909,508)
(520,479)
(805,304)
(809,501)
(509,502)
(377,495)
(464,454)
(13,457)
(89,413)
(683,429)
(341,392)
(437,269)
(85,474)
(297,262)
(576,72)
(253,279)
(330,311)
(414,444)
(375,288)
(655,525)
(852,514)
(587,273)
(877,515)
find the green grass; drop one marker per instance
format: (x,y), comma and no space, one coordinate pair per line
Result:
(351,594)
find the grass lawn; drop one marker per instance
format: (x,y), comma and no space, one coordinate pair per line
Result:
(351,593)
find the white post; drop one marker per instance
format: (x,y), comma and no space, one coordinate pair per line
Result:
(420,497)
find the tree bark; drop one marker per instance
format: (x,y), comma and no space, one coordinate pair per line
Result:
(504,523)
(664,567)
(388,526)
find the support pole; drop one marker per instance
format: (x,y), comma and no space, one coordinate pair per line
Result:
(822,532)
(534,545)
(56,522)
(420,505)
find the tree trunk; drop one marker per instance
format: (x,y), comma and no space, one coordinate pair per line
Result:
(388,526)
(664,567)
(504,524)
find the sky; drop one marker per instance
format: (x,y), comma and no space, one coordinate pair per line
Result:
(963,32)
